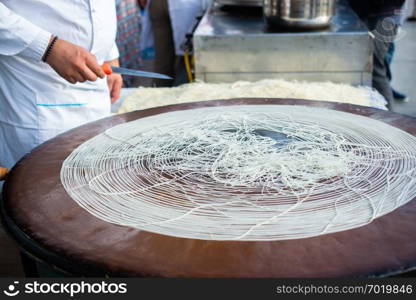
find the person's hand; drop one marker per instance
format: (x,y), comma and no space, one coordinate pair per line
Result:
(115,82)
(74,63)
(142,3)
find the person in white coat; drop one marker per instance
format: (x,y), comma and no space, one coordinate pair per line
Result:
(50,74)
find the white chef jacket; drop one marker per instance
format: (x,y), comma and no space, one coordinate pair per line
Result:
(36,104)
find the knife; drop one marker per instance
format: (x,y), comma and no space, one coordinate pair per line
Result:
(108,69)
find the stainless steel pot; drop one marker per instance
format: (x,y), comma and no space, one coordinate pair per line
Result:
(240,2)
(299,14)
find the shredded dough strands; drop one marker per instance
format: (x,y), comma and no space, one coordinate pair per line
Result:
(143,98)
(257,172)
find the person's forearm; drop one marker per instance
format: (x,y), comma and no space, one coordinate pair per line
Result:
(74,63)
(20,37)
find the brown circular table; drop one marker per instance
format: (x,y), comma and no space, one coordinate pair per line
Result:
(51,227)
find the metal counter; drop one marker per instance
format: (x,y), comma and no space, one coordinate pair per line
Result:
(236,44)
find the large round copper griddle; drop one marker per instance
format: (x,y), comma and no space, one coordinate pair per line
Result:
(51,226)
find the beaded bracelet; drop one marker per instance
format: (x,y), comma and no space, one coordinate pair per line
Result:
(49,49)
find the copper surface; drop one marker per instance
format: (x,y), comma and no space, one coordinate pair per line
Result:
(37,203)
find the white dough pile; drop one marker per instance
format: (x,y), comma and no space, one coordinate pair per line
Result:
(144,98)
(252,172)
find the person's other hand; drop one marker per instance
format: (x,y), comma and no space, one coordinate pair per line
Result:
(74,63)
(142,3)
(115,82)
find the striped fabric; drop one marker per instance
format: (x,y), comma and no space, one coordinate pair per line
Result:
(128,36)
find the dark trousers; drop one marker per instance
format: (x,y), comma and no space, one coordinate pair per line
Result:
(166,62)
(384,35)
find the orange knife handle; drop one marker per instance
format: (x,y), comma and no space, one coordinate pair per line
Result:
(3,173)
(107,68)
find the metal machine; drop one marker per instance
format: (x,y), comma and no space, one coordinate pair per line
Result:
(231,45)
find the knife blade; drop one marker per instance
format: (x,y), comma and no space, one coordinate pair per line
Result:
(108,69)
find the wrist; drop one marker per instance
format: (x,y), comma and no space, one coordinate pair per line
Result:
(52,41)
